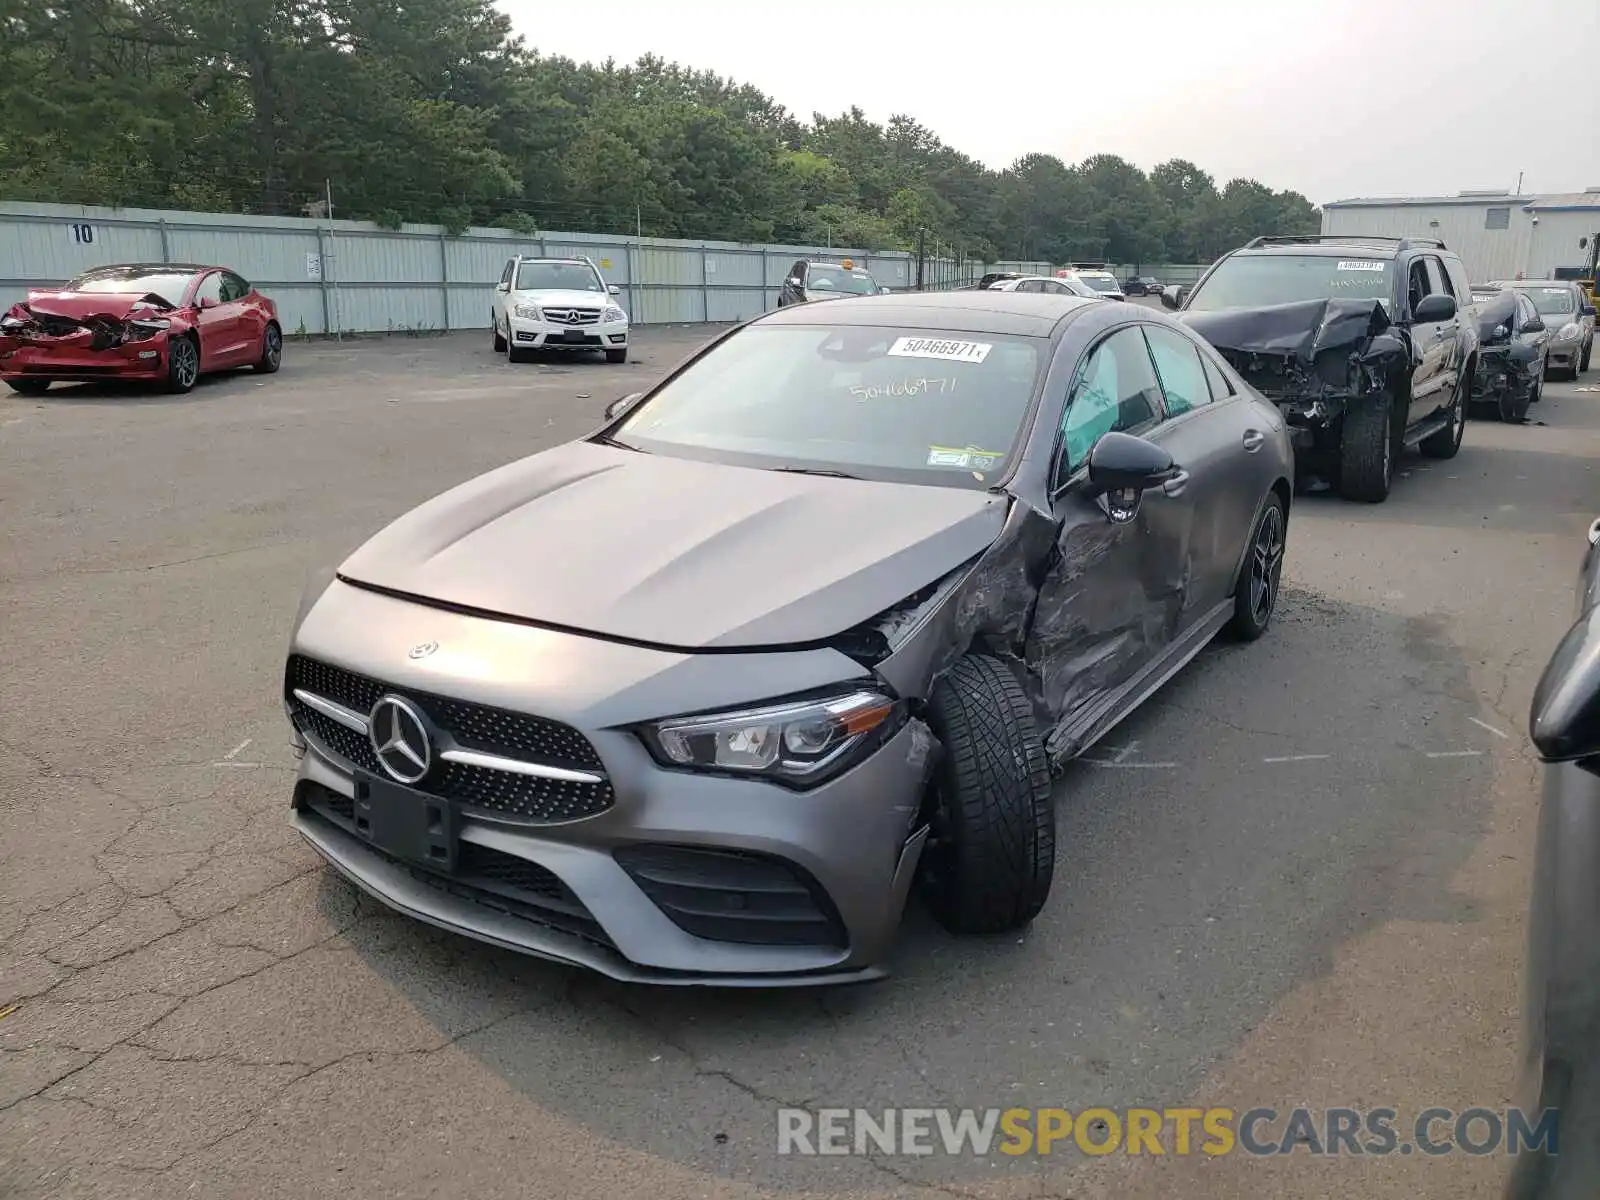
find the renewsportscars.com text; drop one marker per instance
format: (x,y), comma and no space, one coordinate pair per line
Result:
(1259,1132)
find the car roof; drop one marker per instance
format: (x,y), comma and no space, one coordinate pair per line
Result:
(150,268)
(1522,283)
(1369,250)
(986,311)
(566,258)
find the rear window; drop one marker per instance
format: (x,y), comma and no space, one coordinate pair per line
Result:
(897,404)
(1260,280)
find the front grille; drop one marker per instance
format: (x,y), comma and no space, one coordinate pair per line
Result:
(727,896)
(501,794)
(483,875)
(571,316)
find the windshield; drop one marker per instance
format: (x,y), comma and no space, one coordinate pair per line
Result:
(1101,283)
(1551,301)
(557,277)
(896,404)
(823,278)
(170,286)
(1261,280)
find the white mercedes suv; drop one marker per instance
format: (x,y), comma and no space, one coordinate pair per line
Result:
(557,304)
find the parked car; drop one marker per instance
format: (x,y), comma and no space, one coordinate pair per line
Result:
(1568,312)
(561,304)
(1141,285)
(1045,285)
(1103,282)
(1360,341)
(1561,1001)
(1511,353)
(695,699)
(808,280)
(168,323)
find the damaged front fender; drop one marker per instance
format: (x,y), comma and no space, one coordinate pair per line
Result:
(36,325)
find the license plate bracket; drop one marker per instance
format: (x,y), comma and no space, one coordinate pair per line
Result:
(575,336)
(408,824)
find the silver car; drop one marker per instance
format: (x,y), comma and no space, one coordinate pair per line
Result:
(697,698)
(1567,313)
(1045,285)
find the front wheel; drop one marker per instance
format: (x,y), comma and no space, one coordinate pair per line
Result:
(1366,450)
(271,350)
(1255,593)
(1583,363)
(183,365)
(617,356)
(992,848)
(29,387)
(499,342)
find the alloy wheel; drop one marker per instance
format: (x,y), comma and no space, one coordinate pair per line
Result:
(185,363)
(1266,559)
(274,346)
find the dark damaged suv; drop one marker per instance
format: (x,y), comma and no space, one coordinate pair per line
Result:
(1363,343)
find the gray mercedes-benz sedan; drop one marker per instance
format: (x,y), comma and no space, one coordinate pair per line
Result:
(700,697)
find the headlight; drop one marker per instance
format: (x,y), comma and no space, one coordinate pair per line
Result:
(800,743)
(615,314)
(12,322)
(1569,331)
(144,329)
(1501,330)
(531,311)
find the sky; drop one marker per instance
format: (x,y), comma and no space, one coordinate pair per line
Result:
(1331,99)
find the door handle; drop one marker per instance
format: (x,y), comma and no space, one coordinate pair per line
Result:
(1175,485)
(1253,440)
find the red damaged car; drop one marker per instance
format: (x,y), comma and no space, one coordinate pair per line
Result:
(164,322)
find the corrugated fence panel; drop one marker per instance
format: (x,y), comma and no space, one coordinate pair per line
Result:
(470,306)
(263,256)
(391,308)
(388,259)
(42,252)
(299,307)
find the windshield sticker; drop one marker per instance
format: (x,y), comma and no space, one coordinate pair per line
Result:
(962,457)
(1554,291)
(905,387)
(1359,266)
(916,347)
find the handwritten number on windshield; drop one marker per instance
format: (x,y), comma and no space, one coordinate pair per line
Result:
(905,387)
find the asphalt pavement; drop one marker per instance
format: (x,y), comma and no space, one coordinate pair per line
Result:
(1296,876)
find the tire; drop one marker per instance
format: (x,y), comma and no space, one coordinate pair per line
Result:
(499,341)
(1538,391)
(1255,592)
(1366,451)
(617,356)
(29,387)
(991,855)
(1583,361)
(271,350)
(517,354)
(1447,441)
(183,364)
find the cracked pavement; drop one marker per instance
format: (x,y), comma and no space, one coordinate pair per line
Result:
(1303,907)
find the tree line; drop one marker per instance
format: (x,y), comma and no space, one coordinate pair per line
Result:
(432,111)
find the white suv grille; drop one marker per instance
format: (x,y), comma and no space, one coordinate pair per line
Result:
(572,316)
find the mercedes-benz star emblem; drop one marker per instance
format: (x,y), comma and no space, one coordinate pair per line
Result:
(400,739)
(423,649)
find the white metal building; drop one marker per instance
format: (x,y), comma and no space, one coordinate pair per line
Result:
(1497,234)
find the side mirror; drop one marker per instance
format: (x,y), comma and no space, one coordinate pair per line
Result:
(614,289)
(1123,462)
(1171,296)
(793,281)
(1437,307)
(207,302)
(622,404)
(1533,325)
(1565,722)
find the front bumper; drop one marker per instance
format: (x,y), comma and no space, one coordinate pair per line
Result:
(72,359)
(672,876)
(1565,356)
(549,335)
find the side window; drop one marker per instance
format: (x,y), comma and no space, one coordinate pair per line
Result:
(1438,285)
(1221,389)
(1178,367)
(1115,390)
(798,271)
(1418,283)
(505,276)
(234,288)
(1032,286)
(1458,281)
(210,289)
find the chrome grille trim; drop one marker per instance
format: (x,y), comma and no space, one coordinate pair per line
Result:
(334,712)
(512,766)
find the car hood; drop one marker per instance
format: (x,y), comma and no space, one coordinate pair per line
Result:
(564,299)
(1302,330)
(674,552)
(78,305)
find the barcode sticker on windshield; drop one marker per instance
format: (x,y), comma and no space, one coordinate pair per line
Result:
(1360,266)
(915,347)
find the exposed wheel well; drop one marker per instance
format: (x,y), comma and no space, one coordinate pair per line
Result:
(1285,490)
